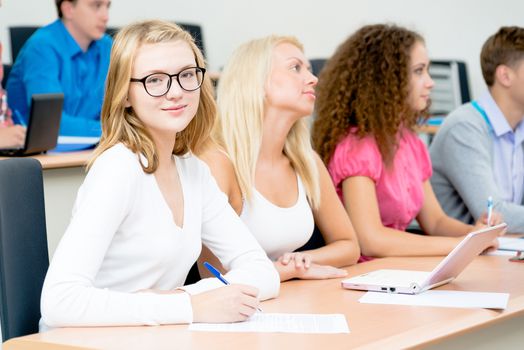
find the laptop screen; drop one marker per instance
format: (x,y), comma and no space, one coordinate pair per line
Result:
(43,125)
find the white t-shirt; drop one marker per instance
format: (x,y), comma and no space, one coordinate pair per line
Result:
(279,230)
(122,239)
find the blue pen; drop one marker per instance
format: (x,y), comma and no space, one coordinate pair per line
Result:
(215,272)
(490,209)
(218,275)
(17,118)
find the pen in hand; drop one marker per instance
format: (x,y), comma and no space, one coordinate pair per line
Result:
(18,119)
(218,275)
(490,209)
(215,273)
(3,108)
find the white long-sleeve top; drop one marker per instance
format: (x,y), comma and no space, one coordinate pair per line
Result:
(122,239)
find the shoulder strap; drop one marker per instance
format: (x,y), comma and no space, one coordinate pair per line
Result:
(482,113)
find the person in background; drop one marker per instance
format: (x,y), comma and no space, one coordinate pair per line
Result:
(263,160)
(147,204)
(71,56)
(478,151)
(11,135)
(371,95)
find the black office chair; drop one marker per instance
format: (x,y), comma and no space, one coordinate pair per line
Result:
(451,86)
(196,32)
(19,36)
(111,31)
(316,241)
(7,70)
(24,257)
(316,65)
(193,275)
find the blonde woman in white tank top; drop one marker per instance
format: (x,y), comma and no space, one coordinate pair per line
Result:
(279,230)
(262,159)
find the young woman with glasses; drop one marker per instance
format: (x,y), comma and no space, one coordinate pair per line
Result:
(263,160)
(147,204)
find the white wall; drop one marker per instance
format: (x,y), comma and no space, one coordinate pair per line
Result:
(454,29)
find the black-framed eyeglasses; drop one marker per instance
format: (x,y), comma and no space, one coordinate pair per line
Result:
(158,84)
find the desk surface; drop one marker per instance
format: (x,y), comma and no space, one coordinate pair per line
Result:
(62,160)
(427,129)
(371,326)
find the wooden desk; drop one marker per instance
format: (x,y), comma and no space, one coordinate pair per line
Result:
(427,129)
(371,326)
(64,160)
(63,173)
(61,160)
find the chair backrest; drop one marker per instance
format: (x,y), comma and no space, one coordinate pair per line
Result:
(24,256)
(315,241)
(111,31)
(19,36)
(316,65)
(196,32)
(7,69)
(451,86)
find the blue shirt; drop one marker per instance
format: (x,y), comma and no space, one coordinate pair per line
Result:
(52,61)
(508,155)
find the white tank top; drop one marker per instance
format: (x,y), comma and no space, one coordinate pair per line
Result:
(279,230)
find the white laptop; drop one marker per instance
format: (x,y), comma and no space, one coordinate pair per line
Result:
(414,282)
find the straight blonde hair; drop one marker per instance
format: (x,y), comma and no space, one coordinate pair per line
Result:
(238,129)
(120,123)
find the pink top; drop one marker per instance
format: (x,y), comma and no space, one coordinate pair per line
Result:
(6,121)
(399,188)
(1,66)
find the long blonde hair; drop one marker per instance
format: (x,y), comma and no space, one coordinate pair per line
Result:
(120,123)
(240,100)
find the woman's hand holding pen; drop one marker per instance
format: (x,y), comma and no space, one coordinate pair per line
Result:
(490,217)
(494,218)
(231,303)
(12,136)
(482,222)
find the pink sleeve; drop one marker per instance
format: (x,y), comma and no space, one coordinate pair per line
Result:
(355,157)
(1,66)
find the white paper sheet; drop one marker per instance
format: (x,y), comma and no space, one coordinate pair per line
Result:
(501,253)
(78,140)
(508,243)
(442,298)
(281,323)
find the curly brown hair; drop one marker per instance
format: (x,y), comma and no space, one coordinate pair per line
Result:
(366,85)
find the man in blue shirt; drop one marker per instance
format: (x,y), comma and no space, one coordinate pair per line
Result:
(479,150)
(70,55)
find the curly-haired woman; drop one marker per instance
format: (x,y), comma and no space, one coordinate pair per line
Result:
(371,94)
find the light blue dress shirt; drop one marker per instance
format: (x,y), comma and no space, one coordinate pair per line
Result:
(508,160)
(52,61)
